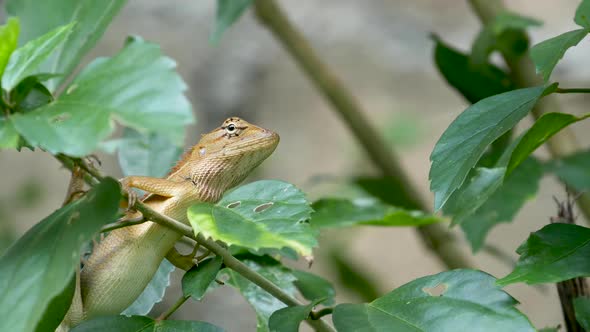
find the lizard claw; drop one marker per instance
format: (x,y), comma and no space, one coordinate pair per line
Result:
(131,194)
(131,200)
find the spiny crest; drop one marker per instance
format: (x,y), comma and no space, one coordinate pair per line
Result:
(182,160)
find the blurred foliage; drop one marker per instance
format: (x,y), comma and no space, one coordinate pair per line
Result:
(480,175)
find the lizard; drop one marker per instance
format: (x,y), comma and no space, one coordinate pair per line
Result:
(124,262)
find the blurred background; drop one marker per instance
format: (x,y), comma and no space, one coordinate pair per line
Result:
(383,53)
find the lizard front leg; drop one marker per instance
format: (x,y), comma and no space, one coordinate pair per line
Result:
(157,186)
(166,188)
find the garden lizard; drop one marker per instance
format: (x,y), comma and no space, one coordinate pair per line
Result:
(122,264)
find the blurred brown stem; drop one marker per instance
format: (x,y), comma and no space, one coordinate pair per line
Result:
(570,289)
(435,236)
(523,72)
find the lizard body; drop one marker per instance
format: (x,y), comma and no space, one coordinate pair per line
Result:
(122,264)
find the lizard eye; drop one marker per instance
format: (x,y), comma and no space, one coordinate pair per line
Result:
(230,128)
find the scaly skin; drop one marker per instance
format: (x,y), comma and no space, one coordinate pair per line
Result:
(122,265)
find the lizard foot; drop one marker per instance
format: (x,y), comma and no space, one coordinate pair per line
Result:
(131,194)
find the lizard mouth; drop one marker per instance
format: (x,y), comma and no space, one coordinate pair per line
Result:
(265,143)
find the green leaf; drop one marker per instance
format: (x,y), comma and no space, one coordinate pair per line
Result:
(473,82)
(8,41)
(9,138)
(582,310)
(481,184)
(506,34)
(582,17)
(466,139)
(547,53)
(228,11)
(288,319)
(138,87)
(153,292)
(314,287)
(260,215)
(548,125)
(196,280)
(389,190)
(555,253)
(38,17)
(30,94)
(362,211)
(144,154)
(263,303)
(38,269)
(508,20)
(513,43)
(484,44)
(504,203)
(143,324)
(27,60)
(573,170)
(448,301)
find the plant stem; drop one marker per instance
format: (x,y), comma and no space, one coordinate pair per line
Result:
(435,236)
(120,224)
(229,260)
(523,72)
(321,313)
(570,289)
(174,307)
(573,90)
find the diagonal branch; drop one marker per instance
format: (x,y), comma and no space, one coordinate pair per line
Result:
(228,259)
(435,236)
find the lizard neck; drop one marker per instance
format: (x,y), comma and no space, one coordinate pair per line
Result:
(213,176)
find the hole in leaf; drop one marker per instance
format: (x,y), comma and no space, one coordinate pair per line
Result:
(223,278)
(60,118)
(437,290)
(263,207)
(234,205)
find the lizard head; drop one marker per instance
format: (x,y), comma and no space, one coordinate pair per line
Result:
(237,138)
(225,156)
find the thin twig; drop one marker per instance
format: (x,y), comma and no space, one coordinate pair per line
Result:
(321,313)
(174,307)
(573,90)
(121,224)
(435,236)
